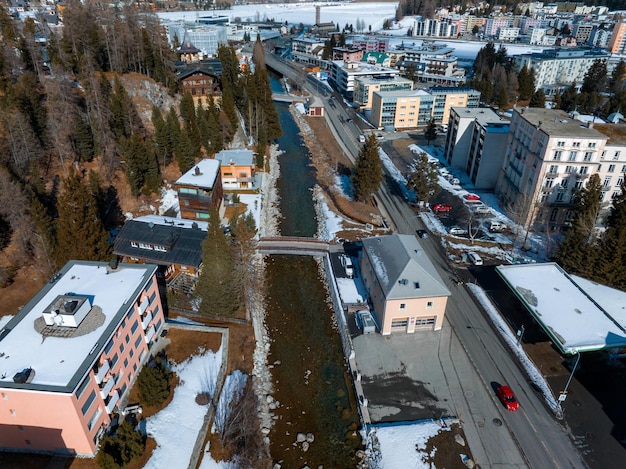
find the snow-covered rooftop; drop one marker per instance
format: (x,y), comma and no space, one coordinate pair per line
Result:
(577,314)
(202,174)
(171,221)
(60,362)
(237,157)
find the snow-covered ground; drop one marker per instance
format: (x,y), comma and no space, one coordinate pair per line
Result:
(176,427)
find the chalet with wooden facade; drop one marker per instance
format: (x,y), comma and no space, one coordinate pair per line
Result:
(202,79)
(199,189)
(237,168)
(173,244)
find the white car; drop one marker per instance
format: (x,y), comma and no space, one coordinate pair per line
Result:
(474,258)
(456,230)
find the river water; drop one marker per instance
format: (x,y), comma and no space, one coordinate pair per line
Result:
(311,383)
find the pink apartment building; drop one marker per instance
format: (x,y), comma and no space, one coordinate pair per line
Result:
(69,357)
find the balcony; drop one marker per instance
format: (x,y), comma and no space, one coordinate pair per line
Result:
(108,386)
(150,334)
(144,304)
(113,398)
(102,371)
(146,320)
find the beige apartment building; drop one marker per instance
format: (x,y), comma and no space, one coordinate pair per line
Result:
(365,87)
(407,109)
(549,156)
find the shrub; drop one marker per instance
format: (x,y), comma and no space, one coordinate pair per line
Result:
(154,382)
(117,451)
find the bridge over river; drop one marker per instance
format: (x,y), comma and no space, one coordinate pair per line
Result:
(294,245)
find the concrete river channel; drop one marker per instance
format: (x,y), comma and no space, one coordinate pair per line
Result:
(310,377)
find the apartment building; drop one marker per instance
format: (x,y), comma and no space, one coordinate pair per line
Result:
(612,167)
(408,109)
(365,87)
(344,74)
(199,189)
(307,50)
(71,354)
(433,63)
(476,143)
(493,25)
(508,34)
(556,69)
(426,27)
(617,42)
(549,156)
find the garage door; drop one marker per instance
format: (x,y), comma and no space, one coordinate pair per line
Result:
(425,323)
(399,325)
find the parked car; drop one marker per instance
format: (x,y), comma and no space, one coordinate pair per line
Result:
(422,233)
(482,208)
(474,258)
(346,262)
(379,136)
(496,227)
(507,398)
(455,181)
(456,230)
(471,197)
(442,208)
(362,138)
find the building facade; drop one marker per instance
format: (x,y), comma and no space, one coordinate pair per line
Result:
(617,42)
(414,108)
(476,143)
(199,189)
(71,354)
(405,290)
(549,156)
(556,69)
(237,168)
(365,87)
(344,74)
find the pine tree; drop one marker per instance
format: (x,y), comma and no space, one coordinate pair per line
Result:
(577,252)
(569,98)
(610,268)
(424,179)
(368,172)
(219,284)
(80,234)
(618,76)
(538,99)
(595,80)
(526,80)
(430,133)
(84,141)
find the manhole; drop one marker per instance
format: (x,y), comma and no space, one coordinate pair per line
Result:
(497,422)
(469,393)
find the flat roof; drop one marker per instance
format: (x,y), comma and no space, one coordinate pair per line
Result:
(203,174)
(557,123)
(577,314)
(60,361)
(483,115)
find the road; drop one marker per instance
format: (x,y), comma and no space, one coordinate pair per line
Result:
(542,442)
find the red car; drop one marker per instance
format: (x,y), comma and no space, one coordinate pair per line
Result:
(442,208)
(508,398)
(471,197)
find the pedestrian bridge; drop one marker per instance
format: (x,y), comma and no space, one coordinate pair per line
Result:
(287,98)
(294,245)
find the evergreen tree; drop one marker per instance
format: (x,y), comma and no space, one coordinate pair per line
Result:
(557,101)
(430,133)
(569,98)
(219,283)
(84,141)
(117,451)
(577,252)
(424,179)
(368,171)
(526,81)
(154,382)
(80,234)
(618,76)
(595,80)
(538,99)
(610,268)
(161,142)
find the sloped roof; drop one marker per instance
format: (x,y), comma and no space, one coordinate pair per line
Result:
(181,239)
(212,67)
(203,174)
(402,267)
(238,156)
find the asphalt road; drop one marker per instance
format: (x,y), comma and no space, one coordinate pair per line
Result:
(541,440)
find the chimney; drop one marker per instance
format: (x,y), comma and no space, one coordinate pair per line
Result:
(317,15)
(196,171)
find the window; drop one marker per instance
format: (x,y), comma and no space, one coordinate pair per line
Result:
(559,196)
(624,168)
(616,155)
(88,402)
(592,144)
(584,169)
(578,185)
(564,183)
(125,362)
(603,155)
(402,305)
(81,388)
(611,168)
(113,361)
(572,156)
(152,297)
(554,214)
(5,396)
(548,183)
(553,169)
(576,144)
(560,144)
(109,346)
(13,413)
(133,328)
(607,181)
(399,323)
(588,156)
(131,353)
(425,322)
(138,342)
(619,182)
(127,338)
(429,305)
(121,348)
(557,155)
(94,418)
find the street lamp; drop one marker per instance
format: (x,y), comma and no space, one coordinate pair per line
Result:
(563,394)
